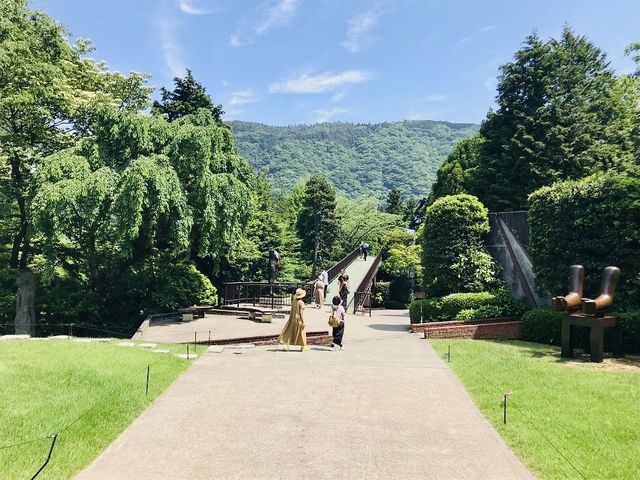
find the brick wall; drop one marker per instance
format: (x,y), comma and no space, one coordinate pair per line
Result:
(497,329)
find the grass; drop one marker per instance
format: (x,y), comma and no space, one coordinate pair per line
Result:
(89,392)
(590,412)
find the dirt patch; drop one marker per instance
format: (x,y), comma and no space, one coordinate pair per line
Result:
(630,362)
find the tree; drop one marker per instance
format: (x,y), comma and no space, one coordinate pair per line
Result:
(360,220)
(558,117)
(458,170)
(186,98)
(394,203)
(317,222)
(453,257)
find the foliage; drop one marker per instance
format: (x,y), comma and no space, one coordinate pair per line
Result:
(630,322)
(187,97)
(380,294)
(458,170)
(560,116)
(548,397)
(453,257)
(542,325)
(467,306)
(360,220)
(317,222)
(50,385)
(394,203)
(48,93)
(592,222)
(357,159)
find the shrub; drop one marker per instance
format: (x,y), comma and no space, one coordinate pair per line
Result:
(467,306)
(381,294)
(453,258)
(592,222)
(630,322)
(542,325)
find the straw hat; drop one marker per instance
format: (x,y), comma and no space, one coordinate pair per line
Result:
(300,293)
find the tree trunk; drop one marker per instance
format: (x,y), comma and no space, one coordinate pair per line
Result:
(25,303)
(314,270)
(20,240)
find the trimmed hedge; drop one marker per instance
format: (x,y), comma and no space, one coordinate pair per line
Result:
(593,222)
(453,256)
(542,325)
(467,306)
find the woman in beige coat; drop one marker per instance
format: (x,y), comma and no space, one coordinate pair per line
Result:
(294,332)
(318,289)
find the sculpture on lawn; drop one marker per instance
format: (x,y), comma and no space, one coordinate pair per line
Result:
(572,300)
(610,277)
(274,265)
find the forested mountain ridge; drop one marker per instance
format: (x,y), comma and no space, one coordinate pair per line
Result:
(357,159)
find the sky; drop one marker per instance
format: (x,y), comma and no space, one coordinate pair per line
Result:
(286,62)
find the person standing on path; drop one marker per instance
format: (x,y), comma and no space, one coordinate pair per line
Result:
(325,280)
(338,331)
(318,292)
(344,291)
(365,250)
(294,332)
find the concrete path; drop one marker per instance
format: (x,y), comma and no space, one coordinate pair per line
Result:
(386,407)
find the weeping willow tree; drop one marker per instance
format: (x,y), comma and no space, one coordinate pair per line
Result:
(137,211)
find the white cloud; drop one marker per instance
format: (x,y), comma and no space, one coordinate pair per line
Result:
(475,34)
(326,115)
(320,83)
(193,7)
(242,97)
(436,98)
(171,49)
(359,31)
(277,14)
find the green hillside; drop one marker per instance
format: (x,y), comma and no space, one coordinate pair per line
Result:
(357,158)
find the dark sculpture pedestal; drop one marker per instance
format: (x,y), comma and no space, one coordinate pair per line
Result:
(596,327)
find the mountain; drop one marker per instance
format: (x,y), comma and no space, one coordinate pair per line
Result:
(356,158)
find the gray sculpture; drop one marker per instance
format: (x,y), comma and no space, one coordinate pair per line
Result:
(572,300)
(274,265)
(610,277)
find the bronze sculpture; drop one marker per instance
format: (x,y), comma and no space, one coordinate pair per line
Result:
(572,300)
(274,265)
(610,277)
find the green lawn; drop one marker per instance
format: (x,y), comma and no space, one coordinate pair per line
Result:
(89,392)
(590,412)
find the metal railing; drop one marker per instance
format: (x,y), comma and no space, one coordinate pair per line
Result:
(364,289)
(263,294)
(343,264)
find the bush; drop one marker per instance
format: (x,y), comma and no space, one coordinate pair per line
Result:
(592,222)
(542,325)
(467,306)
(630,322)
(381,294)
(453,258)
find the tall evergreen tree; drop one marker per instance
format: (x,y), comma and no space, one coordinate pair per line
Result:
(186,98)
(394,202)
(556,109)
(317,222)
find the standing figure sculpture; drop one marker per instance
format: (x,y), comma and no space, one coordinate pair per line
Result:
(572,300)
(274,265)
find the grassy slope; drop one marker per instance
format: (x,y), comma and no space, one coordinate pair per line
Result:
(591,414)
(46,385)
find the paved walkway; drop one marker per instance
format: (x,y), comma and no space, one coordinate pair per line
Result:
(386,407)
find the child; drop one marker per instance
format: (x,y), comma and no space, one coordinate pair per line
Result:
(338,331)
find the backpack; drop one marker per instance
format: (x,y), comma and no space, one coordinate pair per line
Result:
(334,319)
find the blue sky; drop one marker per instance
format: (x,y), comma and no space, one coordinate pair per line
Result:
(285,62)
